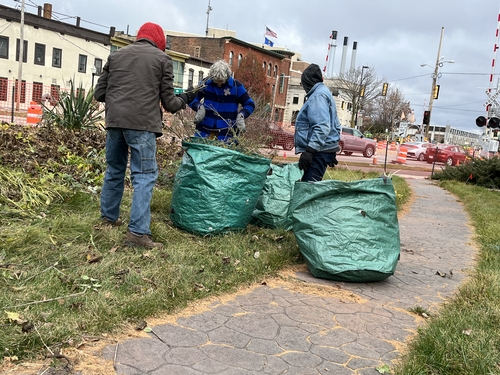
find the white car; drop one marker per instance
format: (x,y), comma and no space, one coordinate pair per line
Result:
(416,149)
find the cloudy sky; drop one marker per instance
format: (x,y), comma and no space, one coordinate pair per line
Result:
(394,37)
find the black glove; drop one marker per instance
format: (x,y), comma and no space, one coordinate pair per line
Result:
(306,158)
(189,95)
(334,161)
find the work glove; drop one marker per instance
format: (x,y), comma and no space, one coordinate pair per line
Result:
(240,124)
(188,96)
(306,158)
(200,114)
(334,161)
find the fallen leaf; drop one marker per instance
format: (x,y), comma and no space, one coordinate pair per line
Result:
(467,332)
(383,369)
(256,255)
(442,274)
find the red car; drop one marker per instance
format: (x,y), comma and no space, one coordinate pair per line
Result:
(447,154)
(281,137)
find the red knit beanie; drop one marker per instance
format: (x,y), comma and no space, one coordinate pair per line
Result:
(153,32)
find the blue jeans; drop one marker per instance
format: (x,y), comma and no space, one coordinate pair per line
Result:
(318,166)
(143,173)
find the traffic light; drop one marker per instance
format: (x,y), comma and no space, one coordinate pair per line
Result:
(427,114)
(481,121)
(493,122)
(435,93)
(384,89)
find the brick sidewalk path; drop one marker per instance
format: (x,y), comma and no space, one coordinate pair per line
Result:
(274,329)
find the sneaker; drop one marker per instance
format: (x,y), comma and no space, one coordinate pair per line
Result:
(106,221)
(141,240)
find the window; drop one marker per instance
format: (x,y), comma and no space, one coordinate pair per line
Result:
(264,66)
(200,77)
(23,91)
(178,72)
(269,68)
(295,100)
(54,92)
(39,54)
(37,92)
(4,47)
(82,63)
(231,57)
(197,51)
(275,71)
(191,78)
(25,50)
(240,59)
(56,57)
(98,66)
(282,82)
(3,88)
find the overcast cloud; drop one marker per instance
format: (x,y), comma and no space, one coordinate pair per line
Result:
(394,37)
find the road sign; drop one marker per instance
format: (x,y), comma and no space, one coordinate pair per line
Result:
(403,128)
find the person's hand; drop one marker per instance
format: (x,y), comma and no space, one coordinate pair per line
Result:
(240,123)
(188,96)
(306,158)
(200,114)
(334,162)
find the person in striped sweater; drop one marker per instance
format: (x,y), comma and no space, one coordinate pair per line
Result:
(222,105)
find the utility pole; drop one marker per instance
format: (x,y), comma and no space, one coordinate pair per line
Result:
(21,53)
(209,9)
(434,79)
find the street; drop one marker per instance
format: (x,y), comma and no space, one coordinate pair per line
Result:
(357,161)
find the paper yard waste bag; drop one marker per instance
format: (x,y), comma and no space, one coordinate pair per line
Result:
(347,231)
(216,188)
(272,207)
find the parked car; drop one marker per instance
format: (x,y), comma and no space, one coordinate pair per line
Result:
(448,154)
(281,137)
(416,149)
(352,140)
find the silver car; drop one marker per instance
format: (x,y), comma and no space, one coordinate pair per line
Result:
(416,150)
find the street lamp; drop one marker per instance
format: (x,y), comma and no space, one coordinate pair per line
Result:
(439,63)
(361,94)
(94,71)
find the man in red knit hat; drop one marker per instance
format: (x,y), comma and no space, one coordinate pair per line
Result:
(134,81)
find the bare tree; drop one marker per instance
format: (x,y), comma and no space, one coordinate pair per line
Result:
(359,87)
(387,111)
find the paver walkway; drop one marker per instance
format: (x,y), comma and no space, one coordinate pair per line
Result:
(274,329)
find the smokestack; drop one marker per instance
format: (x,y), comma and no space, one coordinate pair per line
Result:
(47,11)
(331,57)
(77,21)
(353,57)
(39,11)
(344,52)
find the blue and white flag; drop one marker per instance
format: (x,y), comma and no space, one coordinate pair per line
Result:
(268,42)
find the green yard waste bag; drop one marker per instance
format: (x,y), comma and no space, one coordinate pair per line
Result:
(216,188)
(272,207)
(347,231)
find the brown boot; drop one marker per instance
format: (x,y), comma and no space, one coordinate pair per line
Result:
(105,222)
(141,240)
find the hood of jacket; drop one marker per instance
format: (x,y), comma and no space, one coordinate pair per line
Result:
(310,76)
(154,33)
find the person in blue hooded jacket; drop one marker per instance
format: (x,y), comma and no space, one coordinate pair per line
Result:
(317,128)
(222,105)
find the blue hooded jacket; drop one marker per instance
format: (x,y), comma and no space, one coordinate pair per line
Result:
(317,124)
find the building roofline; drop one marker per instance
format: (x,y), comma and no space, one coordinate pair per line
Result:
(14,15)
